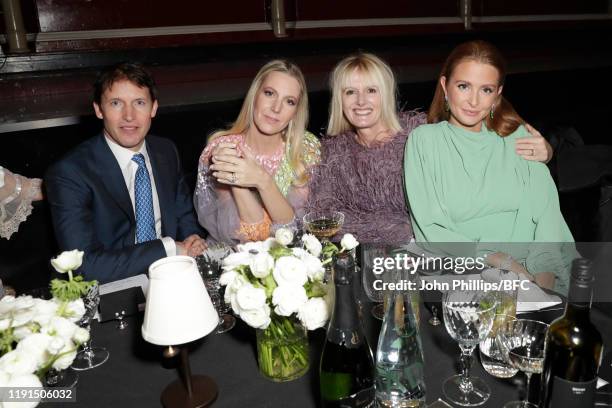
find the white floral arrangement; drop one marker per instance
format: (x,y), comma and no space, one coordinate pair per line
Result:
(267,277)
(37,335)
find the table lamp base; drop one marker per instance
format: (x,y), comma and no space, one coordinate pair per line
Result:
(204,393)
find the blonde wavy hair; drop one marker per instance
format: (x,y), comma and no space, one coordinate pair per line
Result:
(379,74)
(293,134)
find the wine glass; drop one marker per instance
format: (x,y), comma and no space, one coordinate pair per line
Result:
(369,276)
(468,317)
(323,224)
(210,271)
(90,357)
(493,352)
(524,339)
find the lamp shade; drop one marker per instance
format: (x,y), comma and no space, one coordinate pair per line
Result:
(178,307)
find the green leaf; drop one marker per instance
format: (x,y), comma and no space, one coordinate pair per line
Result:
(69,290)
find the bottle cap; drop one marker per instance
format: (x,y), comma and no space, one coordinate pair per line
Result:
(582,273)
(344,265)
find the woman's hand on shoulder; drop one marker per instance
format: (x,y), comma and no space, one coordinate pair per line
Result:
(534,147)
(237,168)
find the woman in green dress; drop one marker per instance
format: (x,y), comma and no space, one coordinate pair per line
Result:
(465,184)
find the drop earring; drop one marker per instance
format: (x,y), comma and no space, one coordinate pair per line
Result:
(491,115)
(446,105)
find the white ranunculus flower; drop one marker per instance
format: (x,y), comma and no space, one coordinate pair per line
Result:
(252,247)
(248,297)
(314,313)
(18,362)
(269,243)
(36,346)
(68,261)
(4,324)
(299,252)
(233,287)
(24,302)
(312,244)
(44,310)
(56,345)
(257,318)
(7,304)
(81,335)
(68,353)
(290,270)
(284,236)
(261,265)
(60,326)
(75,310)
(227,277)
(24,381)
(314,267)
(21,317)
(349,242)
(22,332)
(288,299)
(234,260)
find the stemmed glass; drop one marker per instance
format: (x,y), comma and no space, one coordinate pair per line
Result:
(90,357)
(369,276)
(468,317)
(524,339)
(323,224)
(210,271)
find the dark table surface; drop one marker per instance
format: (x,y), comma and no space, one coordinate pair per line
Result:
(136,372)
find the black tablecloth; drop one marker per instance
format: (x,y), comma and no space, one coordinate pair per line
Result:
(136,372)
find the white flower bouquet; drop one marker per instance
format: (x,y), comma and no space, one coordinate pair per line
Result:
(279,290)
(37,335)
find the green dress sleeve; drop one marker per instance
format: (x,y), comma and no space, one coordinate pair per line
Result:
(553,246)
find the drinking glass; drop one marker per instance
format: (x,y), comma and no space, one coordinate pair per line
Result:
(468,317)
(493,352)
(323,224)
(90,357)
(210,272)
(369,277)
(524,339)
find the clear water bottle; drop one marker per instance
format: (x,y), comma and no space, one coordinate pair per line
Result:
(400,379)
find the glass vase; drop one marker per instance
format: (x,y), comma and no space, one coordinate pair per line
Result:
(282,349)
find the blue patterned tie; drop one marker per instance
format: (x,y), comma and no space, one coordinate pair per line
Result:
(143,201)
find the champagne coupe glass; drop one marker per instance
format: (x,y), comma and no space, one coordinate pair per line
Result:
(210,271)
(524,339)
(323,224)
(90,357)
(468,317)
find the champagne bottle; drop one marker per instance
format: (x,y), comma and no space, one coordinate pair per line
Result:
(400,378)
(573,348)
(346,373)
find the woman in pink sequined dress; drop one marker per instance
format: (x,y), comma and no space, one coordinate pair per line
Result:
(252,178)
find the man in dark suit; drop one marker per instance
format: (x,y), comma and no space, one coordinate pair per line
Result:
(118,197)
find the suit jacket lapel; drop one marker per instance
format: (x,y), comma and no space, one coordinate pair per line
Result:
(110,173)
(163,184)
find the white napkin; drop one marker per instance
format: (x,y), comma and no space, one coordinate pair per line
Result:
(534,298)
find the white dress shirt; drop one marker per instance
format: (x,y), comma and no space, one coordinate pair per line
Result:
(128,169)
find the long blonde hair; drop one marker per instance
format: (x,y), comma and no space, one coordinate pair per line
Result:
(505,119)
(293,134)
(380,74)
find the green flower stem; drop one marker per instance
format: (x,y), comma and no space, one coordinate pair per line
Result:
(282,353)
(70,275)
(43,370)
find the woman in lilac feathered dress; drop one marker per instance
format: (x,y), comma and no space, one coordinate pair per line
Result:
(361,173)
